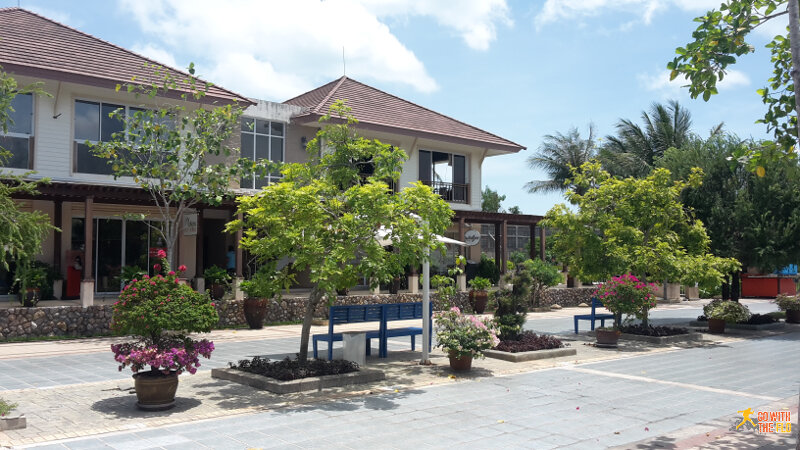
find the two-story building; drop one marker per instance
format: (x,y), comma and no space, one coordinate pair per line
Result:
(80,72)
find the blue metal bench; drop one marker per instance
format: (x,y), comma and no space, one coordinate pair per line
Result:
(593,316)
(371,313)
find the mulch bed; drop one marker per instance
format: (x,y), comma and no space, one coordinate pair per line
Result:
(528,342)
(653,331)
(290,369)
(755,319)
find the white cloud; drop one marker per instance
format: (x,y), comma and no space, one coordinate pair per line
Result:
(279,49)
(660,82)
(157,54)
(645,10)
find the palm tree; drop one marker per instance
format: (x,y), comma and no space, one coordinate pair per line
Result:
(635,149)
(557,155)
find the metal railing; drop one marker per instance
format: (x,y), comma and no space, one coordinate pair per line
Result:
(451,192)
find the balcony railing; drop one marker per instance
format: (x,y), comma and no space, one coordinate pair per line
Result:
(451,192)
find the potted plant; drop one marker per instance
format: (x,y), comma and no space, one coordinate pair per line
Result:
(260,289)
(720,312)
(463,337)
(790,304)
(445,291)
(31,280)
(625,294)
(217,280)
(479,294)
(159,313)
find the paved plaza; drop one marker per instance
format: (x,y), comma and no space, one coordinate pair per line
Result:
(639,396)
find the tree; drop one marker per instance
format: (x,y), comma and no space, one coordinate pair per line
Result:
(635,226)
(514,210)
(180,155)
(332,215)
(720,39)
(491,200)
(635,149)
(557,155)
(21,232)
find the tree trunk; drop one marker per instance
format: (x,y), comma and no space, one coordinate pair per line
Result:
(726,289)
(645,314)
(735,284)
(311,305)
(794,42)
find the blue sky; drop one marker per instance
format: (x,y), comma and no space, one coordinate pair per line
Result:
(519,69)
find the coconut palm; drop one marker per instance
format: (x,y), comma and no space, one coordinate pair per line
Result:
(557,155)
(635,149)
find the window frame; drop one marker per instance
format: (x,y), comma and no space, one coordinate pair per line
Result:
(254,134)
(430,179)
(76,141)
(30,137)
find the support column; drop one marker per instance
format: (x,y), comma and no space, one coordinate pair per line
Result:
(541,243)
(58,285)
(199,281)
(503,254)
(87,284)
(498,243)
(237,290)
(461,231)
(533,241)
(413,281)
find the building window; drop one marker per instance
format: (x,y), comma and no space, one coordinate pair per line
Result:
(18,140)
(518,238)
(262,139)
(446,174)
(94,124)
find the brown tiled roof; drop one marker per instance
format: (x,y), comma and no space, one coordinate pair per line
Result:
(34,45)
(374,107)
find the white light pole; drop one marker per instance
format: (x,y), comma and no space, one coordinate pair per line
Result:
(426,306)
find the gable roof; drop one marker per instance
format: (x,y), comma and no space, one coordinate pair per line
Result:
(372,106)
(36,46)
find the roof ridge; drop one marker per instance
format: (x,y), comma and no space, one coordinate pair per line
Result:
(434,112)
(338,84)
(125,50)
(318,88)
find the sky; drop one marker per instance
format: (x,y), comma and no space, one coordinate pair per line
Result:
(518,69)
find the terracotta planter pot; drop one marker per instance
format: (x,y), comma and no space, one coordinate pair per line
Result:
(716,325)
(255,310)
(793,316)
(478,300)
(460,364)
(216,291)
(155,391)
(607,338)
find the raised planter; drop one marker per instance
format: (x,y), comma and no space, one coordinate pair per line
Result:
(530,356)
(685,337)
(793,316)
(13,422)
(742,326)
(304,384)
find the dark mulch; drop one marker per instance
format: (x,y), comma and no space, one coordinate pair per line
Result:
(653,331)
(528,342)
(755,319)
(291,369)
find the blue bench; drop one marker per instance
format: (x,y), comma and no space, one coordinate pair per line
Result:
(593,316)
(371,313)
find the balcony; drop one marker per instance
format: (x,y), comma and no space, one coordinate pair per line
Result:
(451,192)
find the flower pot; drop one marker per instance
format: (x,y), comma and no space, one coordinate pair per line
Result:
(716,325)
(155,391)
(255,309)
(30,298)
(478,299)
(793,315)
(216,291)
(461,363)
(607,338)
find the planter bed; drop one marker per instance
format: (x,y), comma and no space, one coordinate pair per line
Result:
(300,385)
(13,422)
(741,326)
(689,336)
(529,347)
(530,356)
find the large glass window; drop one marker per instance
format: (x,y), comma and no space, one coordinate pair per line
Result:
(18,141)
(446,174)
(262,139)
(93,123)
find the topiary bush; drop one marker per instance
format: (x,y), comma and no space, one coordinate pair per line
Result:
(487,268)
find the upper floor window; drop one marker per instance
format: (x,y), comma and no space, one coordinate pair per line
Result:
(18,141)
(446,174)
(262,139)
(93,123)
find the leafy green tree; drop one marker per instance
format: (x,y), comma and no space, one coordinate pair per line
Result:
(635,226)
(328,215)
(514,210)
(557,155)
(721,38)
(179,153)
(491,201)
(543,276)
(635,149)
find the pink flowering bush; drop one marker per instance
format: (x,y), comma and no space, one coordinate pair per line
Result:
(464,335)
(626,294)
(161,312)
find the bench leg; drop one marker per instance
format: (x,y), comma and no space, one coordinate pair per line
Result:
(330,350)
(315,349)
(413,342)
(369,346)
(592,324)
(603,323)
(576,325)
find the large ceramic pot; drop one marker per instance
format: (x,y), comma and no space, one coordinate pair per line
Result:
(255,310)
(478,299)
(607,338)
(793,315)
(216,291)
(155,391)
(462,363)
(716,325)
(31,297)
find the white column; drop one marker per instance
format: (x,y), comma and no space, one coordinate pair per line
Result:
(426,307)
(87,293)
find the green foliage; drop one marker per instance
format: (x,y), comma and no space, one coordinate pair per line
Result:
(491,201)
(445,290)
(633,226)
(333,219)
(487,268)
(480,284)
(6,407)
(265,283)
(128,273)
(216,275)
(727,310)
(514,210)
(787,302)
(464,335)
(627,295)
(30,276)
(557,156)
(512,306)
(543,276)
